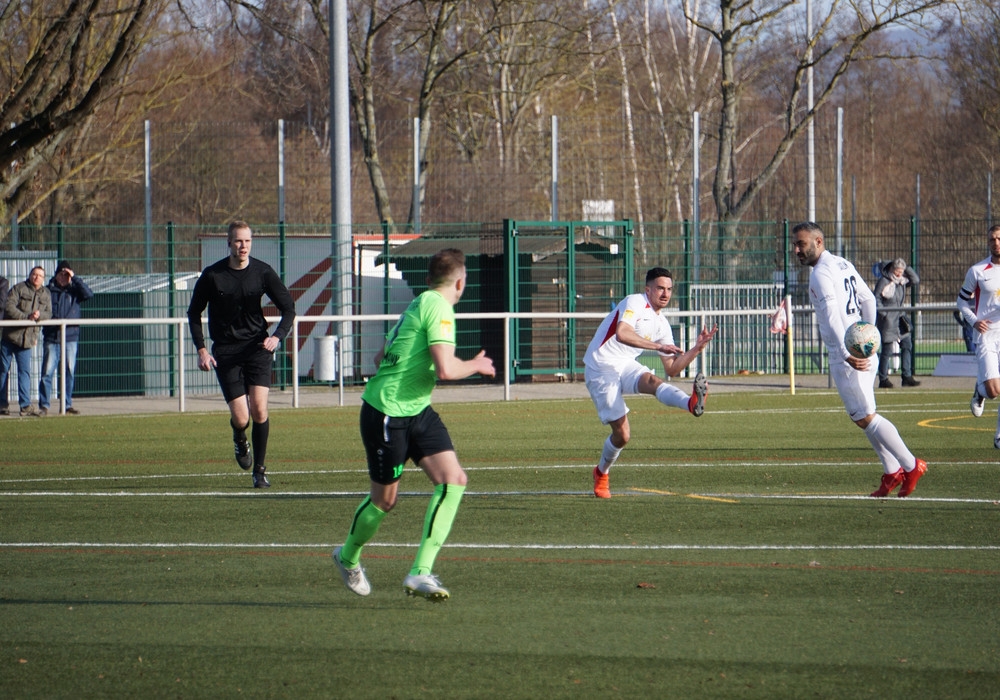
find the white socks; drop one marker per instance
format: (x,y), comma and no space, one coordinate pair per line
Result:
(608,456)
(669,395)
(889,447)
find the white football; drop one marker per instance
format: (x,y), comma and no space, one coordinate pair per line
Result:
(862,339)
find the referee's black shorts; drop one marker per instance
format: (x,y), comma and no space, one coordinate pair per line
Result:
(389,441)
(242,368)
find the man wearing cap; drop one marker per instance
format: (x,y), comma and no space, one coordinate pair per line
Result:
(67,291)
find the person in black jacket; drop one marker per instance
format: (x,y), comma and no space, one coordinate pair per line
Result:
(4,401)
(242,348)
(67,291)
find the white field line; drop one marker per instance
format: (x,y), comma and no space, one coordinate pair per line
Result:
(499,546)
(727,497)
(512,468)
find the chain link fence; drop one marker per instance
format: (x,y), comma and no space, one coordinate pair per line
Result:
(514,266)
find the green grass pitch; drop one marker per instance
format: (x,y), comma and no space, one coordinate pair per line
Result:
(739,557)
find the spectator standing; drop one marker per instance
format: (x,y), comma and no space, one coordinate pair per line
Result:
(67,291)
(893,323)
(242,347)
(4,400)
(29,301)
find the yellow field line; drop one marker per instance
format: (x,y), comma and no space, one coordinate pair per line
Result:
(931,423)
(686,495)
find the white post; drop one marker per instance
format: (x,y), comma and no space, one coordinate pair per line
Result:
(281,170)
(839,207)
(811,135)
(148,197)
(555,168)
(416,174)
(696,199)
(340,169)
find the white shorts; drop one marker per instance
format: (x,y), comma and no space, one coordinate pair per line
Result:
(608,389)
(856,389)
(988,355)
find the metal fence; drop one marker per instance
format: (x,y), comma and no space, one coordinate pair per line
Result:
(517,267)
(158,358)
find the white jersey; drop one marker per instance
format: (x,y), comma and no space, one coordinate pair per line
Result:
(840,297)
(979,298)
(605,352)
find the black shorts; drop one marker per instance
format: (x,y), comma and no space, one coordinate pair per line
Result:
(240,370)
(389,441)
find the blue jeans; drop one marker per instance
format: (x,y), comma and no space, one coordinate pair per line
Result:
(22,356)
(905,358)
(50,366)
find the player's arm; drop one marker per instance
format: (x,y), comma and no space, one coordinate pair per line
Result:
(278,293)
(674,364)
(868,306)
(199,300)
(828,306)
(966,297)
(449,367)
(625,334)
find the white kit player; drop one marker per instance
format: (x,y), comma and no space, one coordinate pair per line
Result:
(979,304)
(841,297)
(612,370)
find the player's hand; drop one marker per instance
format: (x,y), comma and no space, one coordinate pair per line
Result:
(205,360)
(858,363)
(271,343)
(981,326)
(669,350)
(484,365)
(706,335)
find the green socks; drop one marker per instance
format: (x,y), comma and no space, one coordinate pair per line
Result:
(437,524)
(367,518)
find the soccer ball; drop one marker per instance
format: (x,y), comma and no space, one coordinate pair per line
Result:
(862,339)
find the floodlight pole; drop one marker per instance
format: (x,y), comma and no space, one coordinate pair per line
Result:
(340,174)
(810,130)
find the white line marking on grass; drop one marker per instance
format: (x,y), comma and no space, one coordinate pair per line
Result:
(175,475)
(637,492)
(361,471)
(887,408)
(506,546)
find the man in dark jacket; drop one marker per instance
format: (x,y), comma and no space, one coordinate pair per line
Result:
(4,401)
(29,301)
(894,325)
(67,291)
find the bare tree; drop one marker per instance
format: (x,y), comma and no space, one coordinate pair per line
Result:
(746,34)
(395,46)
(678,68)
(974,61)
(629,126)
(527,54)
(66,58)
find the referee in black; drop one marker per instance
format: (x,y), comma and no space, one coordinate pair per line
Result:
(242,349)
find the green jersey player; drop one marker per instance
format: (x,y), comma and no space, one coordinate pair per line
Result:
(398,423)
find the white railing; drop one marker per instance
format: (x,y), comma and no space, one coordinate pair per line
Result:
(695,321)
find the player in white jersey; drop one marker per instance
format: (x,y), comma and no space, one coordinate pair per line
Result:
(841,297)
(612,371)
(979,304)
